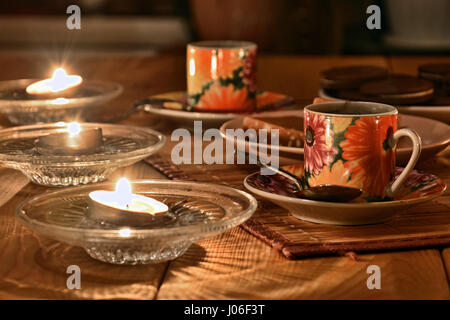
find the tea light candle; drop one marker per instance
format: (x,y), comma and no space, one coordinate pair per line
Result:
(60,83)
(73,141)
(123,207)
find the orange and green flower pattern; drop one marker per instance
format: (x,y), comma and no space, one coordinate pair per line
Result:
(350,151)
(222,80)
(367,152)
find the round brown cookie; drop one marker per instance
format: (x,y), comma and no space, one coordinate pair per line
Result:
(398,89)
(350,77)
(434,71)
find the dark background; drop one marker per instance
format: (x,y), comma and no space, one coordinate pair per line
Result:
(278,26)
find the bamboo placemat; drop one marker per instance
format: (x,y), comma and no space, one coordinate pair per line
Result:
(425,225)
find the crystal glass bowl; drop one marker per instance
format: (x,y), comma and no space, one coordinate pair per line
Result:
(122,146)
(196,211)
(21,108)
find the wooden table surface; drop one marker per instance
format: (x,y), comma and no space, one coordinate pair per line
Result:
(234,265)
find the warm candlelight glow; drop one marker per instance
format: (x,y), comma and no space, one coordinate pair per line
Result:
(123,190)
(60,81)
(71,139)
(73,128)
(123,198)
(125,232)
(60,101)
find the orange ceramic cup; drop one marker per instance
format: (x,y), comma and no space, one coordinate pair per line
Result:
(353,144)
(221,76)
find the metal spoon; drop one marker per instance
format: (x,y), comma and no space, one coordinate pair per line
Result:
(330,193)
(324,192)
(145,104)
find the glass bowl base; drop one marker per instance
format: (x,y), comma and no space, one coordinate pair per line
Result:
(65,178)
(137,255)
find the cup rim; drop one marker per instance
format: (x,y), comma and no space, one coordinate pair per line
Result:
(392,109)
(222,45)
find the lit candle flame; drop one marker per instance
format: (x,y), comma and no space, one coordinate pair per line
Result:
(59,81)
(123,198)
(123,192)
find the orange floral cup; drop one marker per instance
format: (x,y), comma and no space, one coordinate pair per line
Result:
(221,76)
(353,144)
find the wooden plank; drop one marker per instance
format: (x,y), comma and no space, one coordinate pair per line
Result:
(235,265)
(139,170)
(11,182)
(446,259)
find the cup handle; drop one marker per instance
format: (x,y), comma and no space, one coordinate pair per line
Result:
(417,148)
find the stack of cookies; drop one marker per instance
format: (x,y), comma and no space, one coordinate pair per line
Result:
(372,83)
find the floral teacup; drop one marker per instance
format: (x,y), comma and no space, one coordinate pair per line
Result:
(353,144)
(221,76)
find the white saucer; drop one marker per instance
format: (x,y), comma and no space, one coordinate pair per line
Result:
(435,137)
(358,212)
(186,118)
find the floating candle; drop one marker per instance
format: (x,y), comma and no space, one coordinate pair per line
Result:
(72,141)
(124,207)
(59,83)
